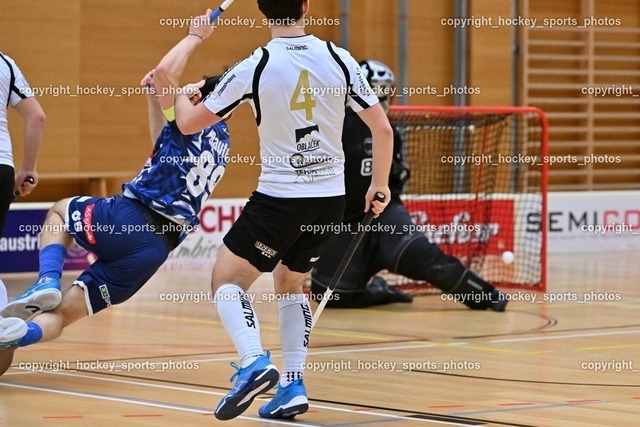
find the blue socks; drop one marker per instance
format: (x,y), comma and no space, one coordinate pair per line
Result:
(34,334)
(51,261)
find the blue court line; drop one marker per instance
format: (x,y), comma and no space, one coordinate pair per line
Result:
(525,408)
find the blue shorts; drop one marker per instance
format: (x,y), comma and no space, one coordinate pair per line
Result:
(129,251)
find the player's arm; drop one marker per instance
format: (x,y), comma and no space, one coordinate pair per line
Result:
(235,89)
(34,127)
(382,146)
(365,103)
(191,119)
(168,72)
(157,119)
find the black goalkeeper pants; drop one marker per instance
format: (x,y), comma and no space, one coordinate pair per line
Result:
(384,247)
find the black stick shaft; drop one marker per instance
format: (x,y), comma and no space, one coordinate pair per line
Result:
(353,246)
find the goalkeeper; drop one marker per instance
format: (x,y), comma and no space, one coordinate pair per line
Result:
(409,254)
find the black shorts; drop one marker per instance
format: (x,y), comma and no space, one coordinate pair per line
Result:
(7,180)
(271,229)
(380,249)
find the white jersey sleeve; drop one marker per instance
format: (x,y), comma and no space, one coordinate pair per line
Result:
(235,87)
(13,89)
(360,94)
(14,84)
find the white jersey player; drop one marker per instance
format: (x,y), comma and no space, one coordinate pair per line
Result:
(299,87)
(15,92)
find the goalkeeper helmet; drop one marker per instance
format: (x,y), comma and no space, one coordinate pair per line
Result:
(381,79)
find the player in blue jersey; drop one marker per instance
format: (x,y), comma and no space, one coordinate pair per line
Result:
(132,234)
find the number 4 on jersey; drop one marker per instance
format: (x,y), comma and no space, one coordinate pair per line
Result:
(303,88)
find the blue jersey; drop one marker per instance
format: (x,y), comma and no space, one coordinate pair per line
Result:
(182,172)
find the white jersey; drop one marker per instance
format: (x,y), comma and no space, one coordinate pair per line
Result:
(298,88)
(13,89)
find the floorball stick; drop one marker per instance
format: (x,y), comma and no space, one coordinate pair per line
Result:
(345,260)
(224,6)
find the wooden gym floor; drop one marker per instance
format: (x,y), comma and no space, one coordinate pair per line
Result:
(152,362)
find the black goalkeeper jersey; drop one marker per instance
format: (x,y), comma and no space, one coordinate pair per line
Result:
(357,145)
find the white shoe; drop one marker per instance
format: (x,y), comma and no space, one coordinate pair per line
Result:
(12,330)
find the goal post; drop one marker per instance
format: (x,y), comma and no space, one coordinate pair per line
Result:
(478,188)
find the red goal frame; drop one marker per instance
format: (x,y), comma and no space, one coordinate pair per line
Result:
(544,152)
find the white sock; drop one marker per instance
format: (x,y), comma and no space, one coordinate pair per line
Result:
(3,295)
(240,322)
(295,330)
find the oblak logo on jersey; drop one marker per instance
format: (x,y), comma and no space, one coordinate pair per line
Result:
(311,145)
(308,140)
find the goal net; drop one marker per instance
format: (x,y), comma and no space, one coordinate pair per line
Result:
(478,188)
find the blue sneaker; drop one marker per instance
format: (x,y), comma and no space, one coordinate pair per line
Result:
(256,378)
(288,402)
(12,330)
(41,296)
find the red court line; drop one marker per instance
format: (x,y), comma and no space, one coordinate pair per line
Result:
(363,409)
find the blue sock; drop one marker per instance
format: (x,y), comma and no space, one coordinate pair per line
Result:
(51,261)
(34,334)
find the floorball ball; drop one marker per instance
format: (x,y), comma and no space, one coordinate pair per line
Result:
(507,257)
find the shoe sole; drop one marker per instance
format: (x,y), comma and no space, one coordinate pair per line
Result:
(236,405)
(296,406)
(12,329)
(46,299)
